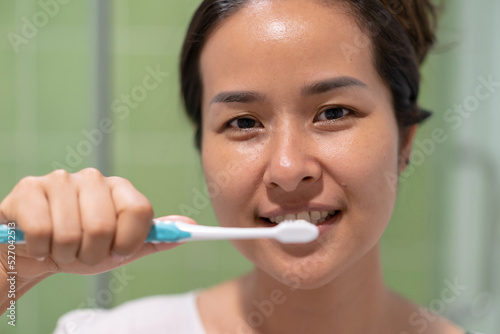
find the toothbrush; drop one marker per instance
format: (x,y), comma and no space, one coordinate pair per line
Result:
(291,231)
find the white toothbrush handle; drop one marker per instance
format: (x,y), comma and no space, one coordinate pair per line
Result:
(200,232)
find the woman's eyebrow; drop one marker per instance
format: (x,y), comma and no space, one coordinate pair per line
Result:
(327,85)
(311,89)
(238,96)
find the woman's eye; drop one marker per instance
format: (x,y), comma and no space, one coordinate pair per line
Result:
(243,123)
(333,114)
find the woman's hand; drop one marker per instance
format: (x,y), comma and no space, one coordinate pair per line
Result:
(81,223)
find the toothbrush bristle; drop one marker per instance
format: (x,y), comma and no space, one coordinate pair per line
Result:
(296,231)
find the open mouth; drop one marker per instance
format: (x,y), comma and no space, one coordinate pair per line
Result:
(314,217)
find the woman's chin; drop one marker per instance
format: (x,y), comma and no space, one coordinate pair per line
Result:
(302,268)
(313,268)
(302,278)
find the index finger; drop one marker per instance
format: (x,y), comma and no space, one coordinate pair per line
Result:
(31,215)
(134,217)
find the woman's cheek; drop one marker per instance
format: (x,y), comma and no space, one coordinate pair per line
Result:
(241,166)
(368,187)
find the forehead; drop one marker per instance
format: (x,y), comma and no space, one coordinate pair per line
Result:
(286,40)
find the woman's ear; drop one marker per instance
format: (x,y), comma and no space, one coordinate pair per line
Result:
(406,148)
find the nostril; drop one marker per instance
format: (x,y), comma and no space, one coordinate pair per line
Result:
(304,170)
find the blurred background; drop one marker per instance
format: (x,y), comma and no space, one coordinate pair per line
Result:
(95,83)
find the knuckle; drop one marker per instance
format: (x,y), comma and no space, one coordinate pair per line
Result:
(38,231)
(64,261)
(88,260)
(54,266)
(90,172)
(123,250)
(99,229)
(118,180)
(141,209)
(63,258)
(4,205)
(35,253)
(29,182)
(60,174)
(66,238)
(127,246)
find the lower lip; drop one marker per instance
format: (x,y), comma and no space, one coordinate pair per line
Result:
(327,224)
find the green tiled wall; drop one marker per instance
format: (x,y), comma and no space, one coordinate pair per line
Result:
(46,94)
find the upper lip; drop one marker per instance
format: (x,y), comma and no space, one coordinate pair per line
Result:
(282,211)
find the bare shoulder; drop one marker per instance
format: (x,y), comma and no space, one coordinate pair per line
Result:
(410,318)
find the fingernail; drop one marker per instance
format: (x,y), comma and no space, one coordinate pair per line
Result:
(117,257)
(40,258)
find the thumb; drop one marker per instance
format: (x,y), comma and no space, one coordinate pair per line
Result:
(183,219)
(168,245)
(150,248)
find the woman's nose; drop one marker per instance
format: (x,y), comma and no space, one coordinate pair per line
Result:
(291,162)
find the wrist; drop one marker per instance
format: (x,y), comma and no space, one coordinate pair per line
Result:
(12,288)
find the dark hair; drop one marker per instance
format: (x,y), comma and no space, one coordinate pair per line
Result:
(401,32)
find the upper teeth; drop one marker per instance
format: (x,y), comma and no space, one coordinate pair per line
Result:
(314,217)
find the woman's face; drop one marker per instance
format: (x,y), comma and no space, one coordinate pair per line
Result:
(291,96)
